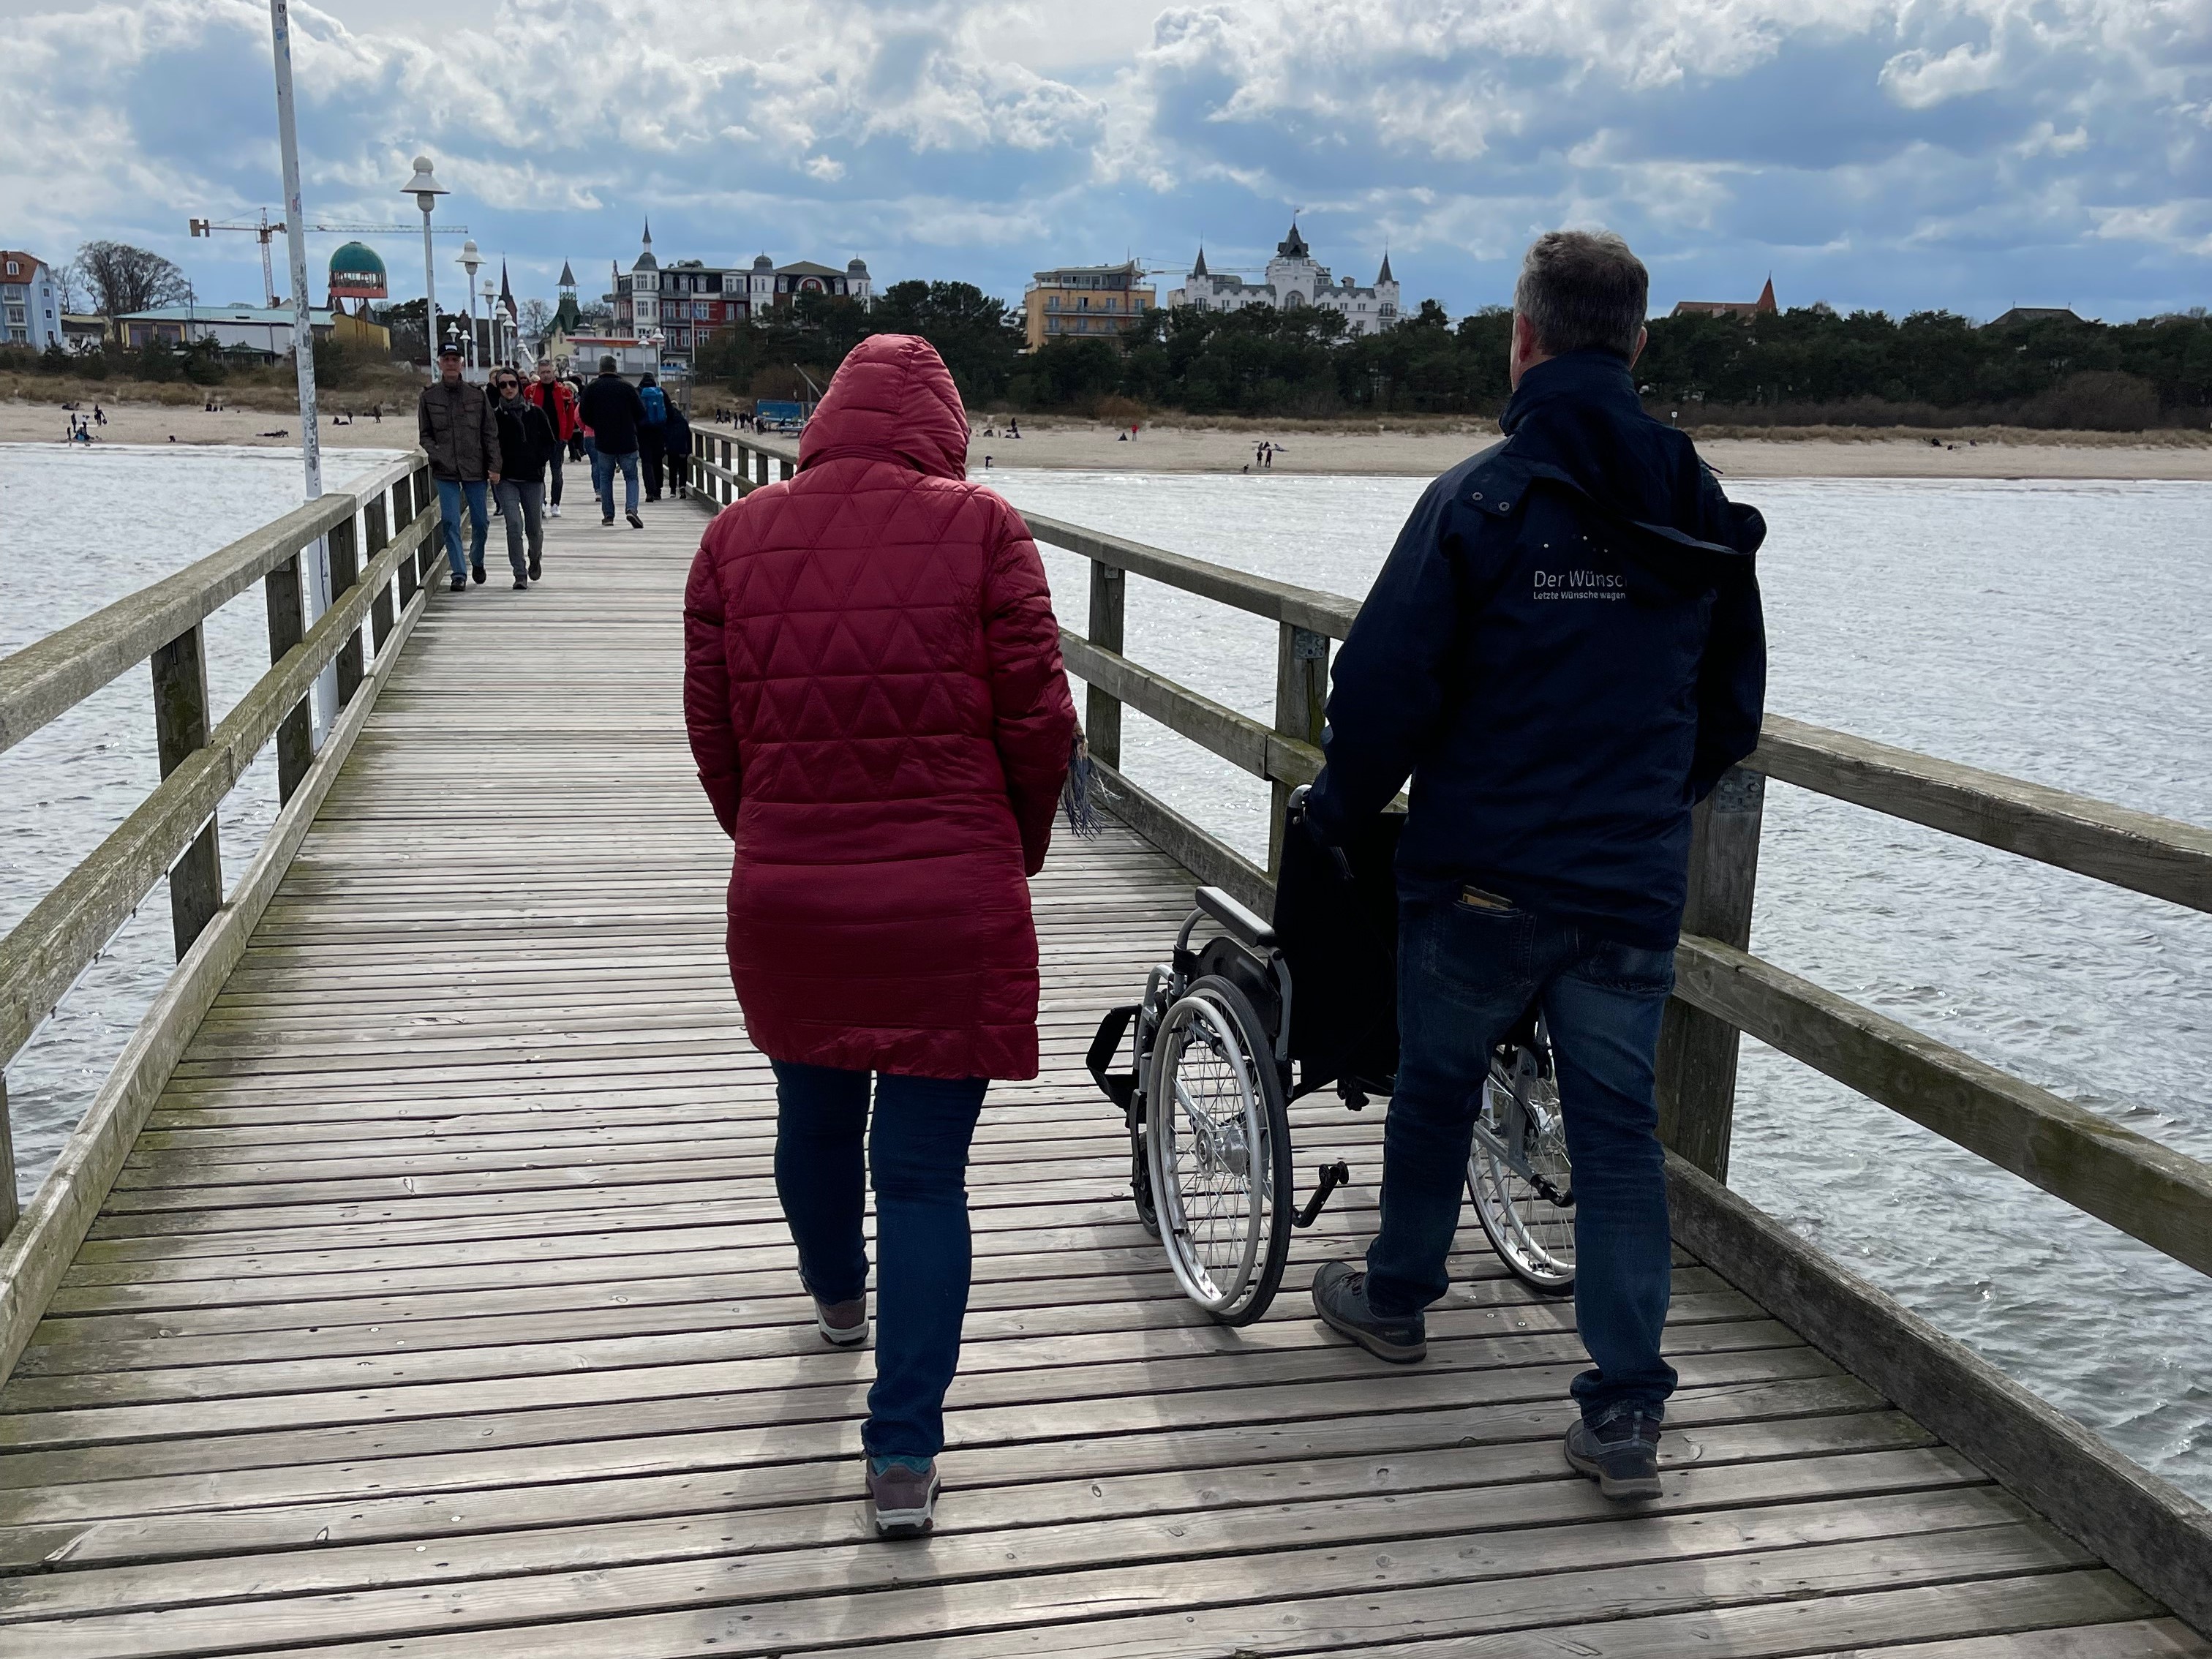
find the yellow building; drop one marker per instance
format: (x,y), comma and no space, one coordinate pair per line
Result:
(1077,299)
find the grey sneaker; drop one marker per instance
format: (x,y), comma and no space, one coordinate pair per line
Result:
(905,1500)
(843,1324)
(1339,1297)
(1621,1453)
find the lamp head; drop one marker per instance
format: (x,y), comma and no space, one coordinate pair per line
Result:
(423,186)
(470,259)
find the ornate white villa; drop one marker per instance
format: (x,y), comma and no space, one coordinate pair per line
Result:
(1295,278)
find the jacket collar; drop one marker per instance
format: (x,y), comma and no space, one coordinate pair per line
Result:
(1579,377)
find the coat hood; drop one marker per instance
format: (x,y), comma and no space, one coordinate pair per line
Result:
(892,399)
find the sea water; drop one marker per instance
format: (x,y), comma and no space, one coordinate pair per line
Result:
(2053,632)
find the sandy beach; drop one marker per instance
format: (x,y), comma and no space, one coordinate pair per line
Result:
(1196,447)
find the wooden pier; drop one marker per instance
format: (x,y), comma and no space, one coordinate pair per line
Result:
(416,1286)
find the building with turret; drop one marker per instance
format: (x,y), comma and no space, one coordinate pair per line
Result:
(1745,309)
(686,303)
(1294,277)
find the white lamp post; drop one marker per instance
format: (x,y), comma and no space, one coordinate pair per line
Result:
(495,325)
(471,261)
(426,189)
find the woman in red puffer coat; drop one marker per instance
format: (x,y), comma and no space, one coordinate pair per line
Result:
(876,700)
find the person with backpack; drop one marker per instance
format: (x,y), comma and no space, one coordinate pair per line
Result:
(1565,652)
(676,440)
(652,433)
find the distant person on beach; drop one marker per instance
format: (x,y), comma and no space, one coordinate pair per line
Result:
(556,399)
(875,698)
(453,423)
(652,433)
(1565,652)
(611,408)
(526,446)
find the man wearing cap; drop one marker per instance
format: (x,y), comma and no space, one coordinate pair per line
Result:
(454,422)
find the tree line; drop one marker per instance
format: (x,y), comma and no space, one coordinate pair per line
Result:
(1811,364)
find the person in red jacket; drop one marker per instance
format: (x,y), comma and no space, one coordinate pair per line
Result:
(875,698)
(558,399)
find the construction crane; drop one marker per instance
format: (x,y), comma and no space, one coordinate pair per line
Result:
(266,229)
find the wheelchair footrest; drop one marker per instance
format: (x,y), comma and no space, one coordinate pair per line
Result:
(1332,1175)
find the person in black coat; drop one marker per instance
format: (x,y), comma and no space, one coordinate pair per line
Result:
(1566,653)
(526,446)
(612,410)
(676,440)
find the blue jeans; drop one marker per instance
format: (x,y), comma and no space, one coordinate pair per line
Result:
(1467,971)
(450,492)
(917,1151)
(603,480)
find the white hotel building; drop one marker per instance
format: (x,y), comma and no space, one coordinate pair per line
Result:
(1294,278)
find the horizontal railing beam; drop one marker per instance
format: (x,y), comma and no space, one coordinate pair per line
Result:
(1262,596)
(42,955)
(1242,742)
(2162,857)
(49,677)
(2150,1192)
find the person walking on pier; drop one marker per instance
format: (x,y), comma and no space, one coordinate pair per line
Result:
(557,398)
(453,423)
(611,408)
(1565,652)
(652,433)
(526,444)
(676,446)
(875,698)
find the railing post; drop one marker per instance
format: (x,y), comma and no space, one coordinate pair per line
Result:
(11,1209)
(345,575)
(1698,1051)
(1101,714)
(377,534)
(760,466)
(729,488)
(1301,693)
(784,471)
(180,728)
(287,623)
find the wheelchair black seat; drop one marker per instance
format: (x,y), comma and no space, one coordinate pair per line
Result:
(1336,924)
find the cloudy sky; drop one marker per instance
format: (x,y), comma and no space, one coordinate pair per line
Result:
(1900,154)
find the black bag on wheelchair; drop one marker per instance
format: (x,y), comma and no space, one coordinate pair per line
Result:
(1336,924)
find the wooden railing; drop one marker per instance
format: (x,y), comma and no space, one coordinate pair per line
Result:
(379,538)
(2150,1192)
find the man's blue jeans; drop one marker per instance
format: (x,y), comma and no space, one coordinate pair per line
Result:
(1467,968)
(917,1151)
(603,480)
(450,492)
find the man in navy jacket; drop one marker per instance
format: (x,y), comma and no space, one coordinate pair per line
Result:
(1565,653)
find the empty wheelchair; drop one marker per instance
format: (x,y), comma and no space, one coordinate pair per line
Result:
(1232,1029)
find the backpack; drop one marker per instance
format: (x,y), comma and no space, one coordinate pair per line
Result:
(656,405)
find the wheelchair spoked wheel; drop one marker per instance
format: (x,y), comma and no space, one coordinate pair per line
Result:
(1218,1146)
(1519,1177)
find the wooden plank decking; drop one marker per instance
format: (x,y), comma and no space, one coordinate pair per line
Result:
(444,1309)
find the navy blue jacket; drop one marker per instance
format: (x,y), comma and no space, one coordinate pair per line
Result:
(1565,651)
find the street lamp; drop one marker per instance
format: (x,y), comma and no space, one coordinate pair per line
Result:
(426,189)
(471,261)
(494,324)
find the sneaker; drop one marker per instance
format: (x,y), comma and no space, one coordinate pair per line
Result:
(904,1496)
(554,511)
(521,582)
(636,523)
(1340,1295)
(460,584)
(609,518)
(476,571)
(1621,1453)
(843,1324)
(534,569)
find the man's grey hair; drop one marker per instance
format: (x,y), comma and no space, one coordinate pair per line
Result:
(545,362)
(607,363)
(1582,291)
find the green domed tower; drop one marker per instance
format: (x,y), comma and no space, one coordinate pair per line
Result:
(357,273)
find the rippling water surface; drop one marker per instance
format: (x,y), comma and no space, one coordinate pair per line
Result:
(2056,632)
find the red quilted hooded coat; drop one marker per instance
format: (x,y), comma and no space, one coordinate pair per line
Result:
(873,688)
